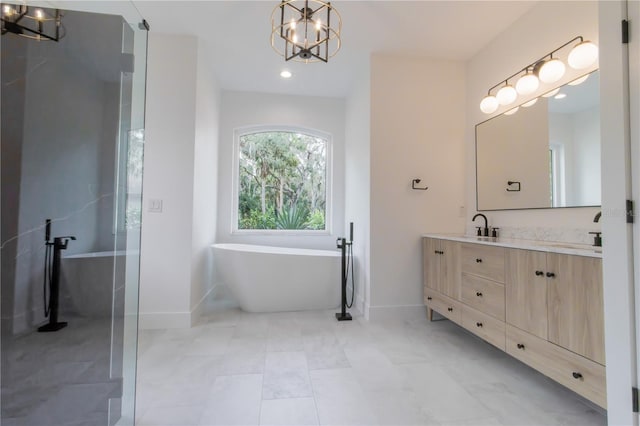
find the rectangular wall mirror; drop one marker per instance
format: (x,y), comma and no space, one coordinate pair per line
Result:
(545,155)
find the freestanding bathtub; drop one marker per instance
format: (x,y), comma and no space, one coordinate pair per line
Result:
(276,279)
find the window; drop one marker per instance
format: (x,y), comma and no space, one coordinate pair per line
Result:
(282,180)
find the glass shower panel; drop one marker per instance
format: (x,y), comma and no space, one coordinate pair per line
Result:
(72,141)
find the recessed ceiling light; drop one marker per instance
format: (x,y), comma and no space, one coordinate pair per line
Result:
(560,96)
(286,74)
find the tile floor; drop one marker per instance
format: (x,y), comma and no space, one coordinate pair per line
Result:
(61,378)
(305,368)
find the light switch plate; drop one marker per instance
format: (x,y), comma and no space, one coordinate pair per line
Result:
(155,206)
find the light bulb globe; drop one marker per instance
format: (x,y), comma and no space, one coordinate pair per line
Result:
(583,55)
(489,104)
(530,103)
(506,95)
(527,84)
(512,111)
(551,71)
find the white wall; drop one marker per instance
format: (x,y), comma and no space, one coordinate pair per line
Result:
(242,109)
(180,170)
(358,182)
(519,45)
(205,180)
(417,131)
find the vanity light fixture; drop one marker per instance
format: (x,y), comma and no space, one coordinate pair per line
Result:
(527,84)
(31,22)
(583,54)
(507,94)
(550,70)
(305,30)
(547,69)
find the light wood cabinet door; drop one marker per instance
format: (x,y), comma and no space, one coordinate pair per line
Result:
(431,256)
(575,304)
(450,269)
(442,266)
(526,291)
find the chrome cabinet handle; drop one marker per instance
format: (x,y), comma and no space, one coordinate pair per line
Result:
(551,275)
(576,375)
(539,273)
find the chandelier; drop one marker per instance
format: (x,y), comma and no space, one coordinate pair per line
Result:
(305,30)
(31,22)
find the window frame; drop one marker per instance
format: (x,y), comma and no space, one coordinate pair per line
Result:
(235,181)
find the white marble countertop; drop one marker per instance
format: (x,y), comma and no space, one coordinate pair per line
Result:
(547,246)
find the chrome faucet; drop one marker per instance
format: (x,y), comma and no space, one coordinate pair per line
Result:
(485,230)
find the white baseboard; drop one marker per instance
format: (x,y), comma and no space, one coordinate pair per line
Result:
(403,312)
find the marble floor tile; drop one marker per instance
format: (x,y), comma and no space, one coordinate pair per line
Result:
(289,412)
(286,375)
(307,368)
(233,400)
(441,396)
(340,399)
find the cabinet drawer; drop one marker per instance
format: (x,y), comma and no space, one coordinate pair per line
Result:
(484,326)
(579,374)
(443,305)
(484,295)
(484,261)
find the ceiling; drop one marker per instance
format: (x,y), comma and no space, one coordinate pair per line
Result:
(237,36)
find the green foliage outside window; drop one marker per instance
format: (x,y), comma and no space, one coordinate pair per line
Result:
(282,181)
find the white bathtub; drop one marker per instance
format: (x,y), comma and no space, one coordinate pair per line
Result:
(276,279)
(90,281)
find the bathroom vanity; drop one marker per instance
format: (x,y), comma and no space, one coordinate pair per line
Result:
(540,302)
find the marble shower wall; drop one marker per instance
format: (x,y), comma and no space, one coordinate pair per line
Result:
(60,124)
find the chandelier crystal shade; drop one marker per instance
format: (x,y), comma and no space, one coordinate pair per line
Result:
(31,22)
(305,30)
(548,69)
